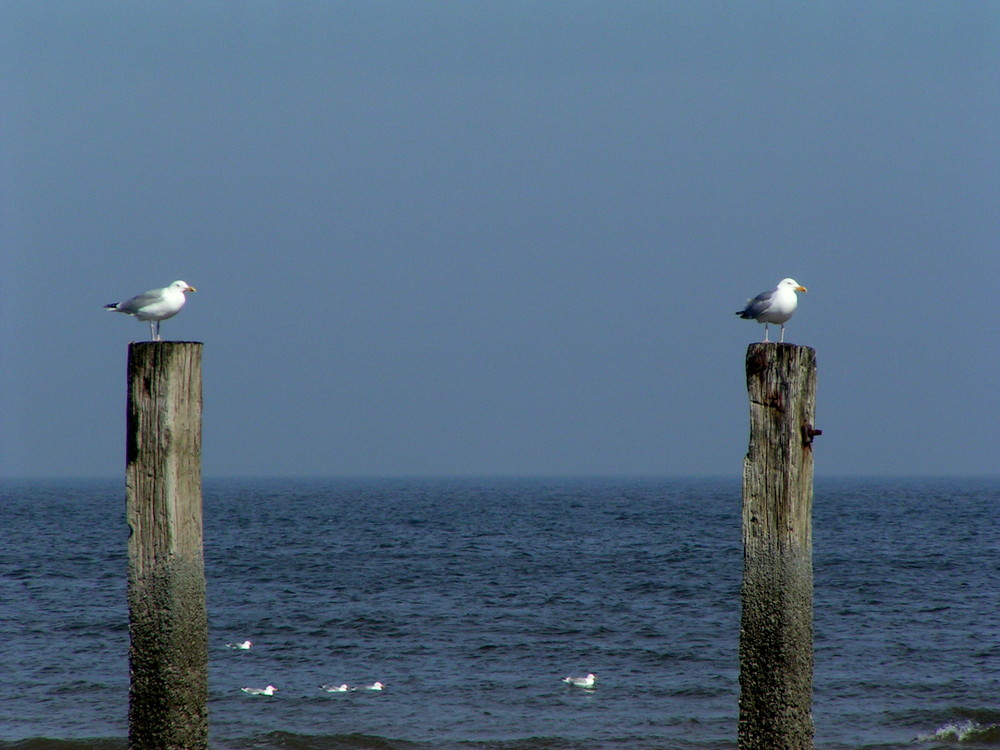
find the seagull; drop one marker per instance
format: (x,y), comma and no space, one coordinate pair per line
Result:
(155,305)
(584,682)
(375,686)
(773,307)
(245,646)
(269,690)
(342,688)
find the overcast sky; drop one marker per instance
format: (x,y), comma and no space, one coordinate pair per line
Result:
(482,238)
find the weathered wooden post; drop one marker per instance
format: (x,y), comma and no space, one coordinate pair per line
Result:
(776,634)
(168,626)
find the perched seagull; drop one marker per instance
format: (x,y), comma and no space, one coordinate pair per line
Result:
(584,682)
(269,690)
(375,686)
(773,307)
(342,688)
(155,305)
(245,646)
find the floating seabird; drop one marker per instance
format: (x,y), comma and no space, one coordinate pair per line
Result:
(342,688)
(584,682)
(269,690)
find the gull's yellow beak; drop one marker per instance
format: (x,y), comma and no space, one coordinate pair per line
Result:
(192,289)
(797,289)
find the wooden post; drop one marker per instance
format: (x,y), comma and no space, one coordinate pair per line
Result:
(776,634)
(168,626)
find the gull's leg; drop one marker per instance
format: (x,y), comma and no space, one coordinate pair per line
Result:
(152,331)
(765,333)
(782,334)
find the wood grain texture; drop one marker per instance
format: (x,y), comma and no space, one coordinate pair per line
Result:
(168,627)
(776,635)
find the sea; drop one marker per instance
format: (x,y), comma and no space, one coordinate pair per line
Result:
(472,599)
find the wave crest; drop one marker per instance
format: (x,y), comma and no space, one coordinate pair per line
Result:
(965,732)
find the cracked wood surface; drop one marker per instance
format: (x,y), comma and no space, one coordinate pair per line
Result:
(776,635)
(168,627)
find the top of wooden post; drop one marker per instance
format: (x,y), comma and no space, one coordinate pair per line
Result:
(761,355)
(164,343)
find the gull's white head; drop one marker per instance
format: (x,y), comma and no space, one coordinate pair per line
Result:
(182,286)
(791,284)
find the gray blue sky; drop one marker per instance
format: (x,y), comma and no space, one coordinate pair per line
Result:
(501,238)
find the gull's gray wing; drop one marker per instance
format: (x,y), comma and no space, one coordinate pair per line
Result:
(757,305)
(140,300)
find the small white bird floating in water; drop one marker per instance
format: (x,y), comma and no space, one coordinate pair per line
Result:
(155,305)
(245,646)
(342,688)
(584,682)
(375,686)
(269,690)
(773,307)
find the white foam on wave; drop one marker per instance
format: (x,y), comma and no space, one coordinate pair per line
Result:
(965,731)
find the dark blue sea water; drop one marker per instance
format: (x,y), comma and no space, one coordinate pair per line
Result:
(472,599)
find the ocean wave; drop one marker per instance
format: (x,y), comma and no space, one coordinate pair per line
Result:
(46,743)
(293,741)
(967,733)
(473,617)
